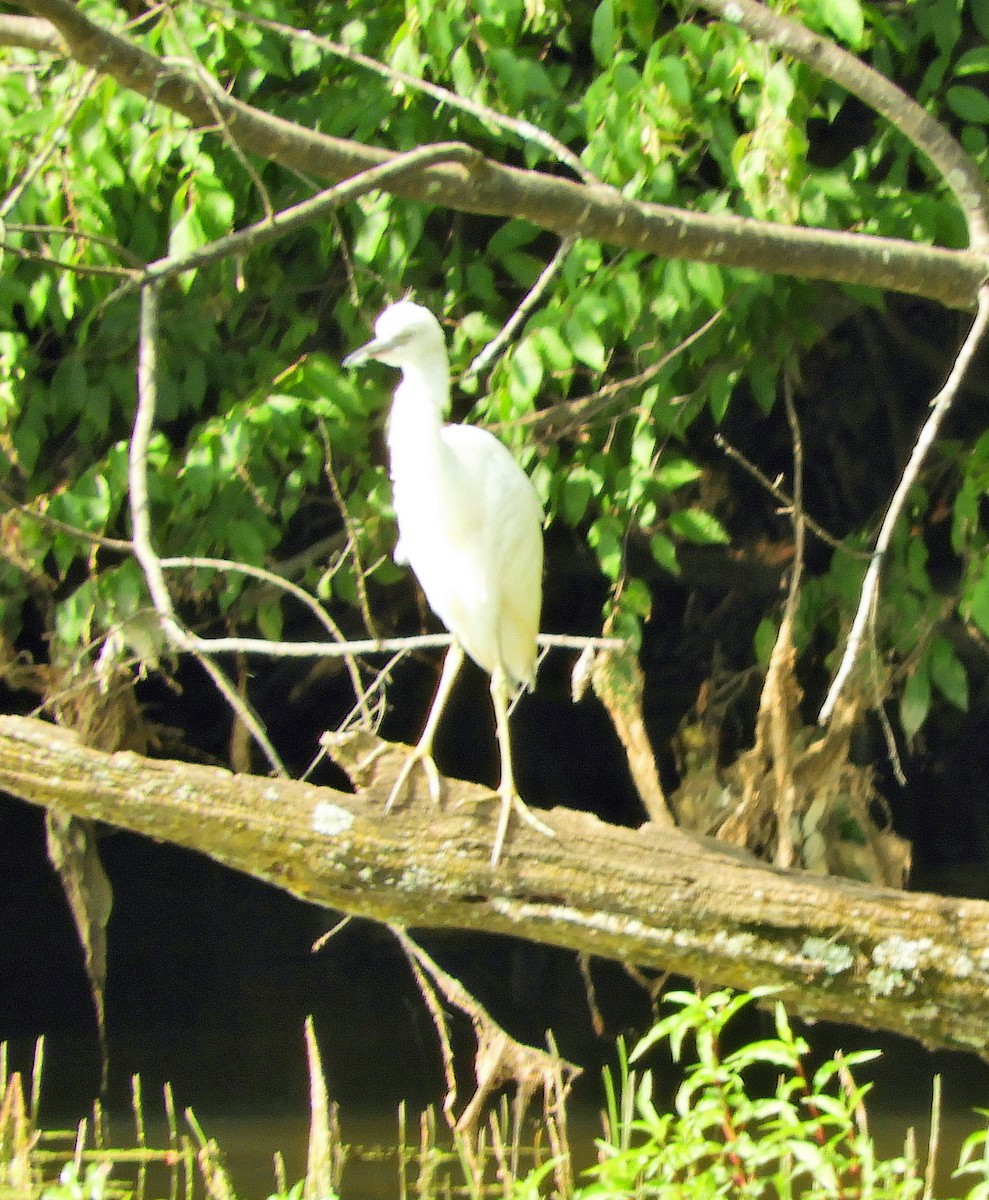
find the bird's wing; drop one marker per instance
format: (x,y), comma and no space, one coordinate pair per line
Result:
(494,518)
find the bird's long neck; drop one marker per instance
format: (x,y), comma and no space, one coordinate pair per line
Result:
(421,401)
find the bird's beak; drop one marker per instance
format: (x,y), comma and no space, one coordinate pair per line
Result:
(374,349)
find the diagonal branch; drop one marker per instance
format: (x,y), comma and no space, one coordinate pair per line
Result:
(144,552)
(486,115)
(957,168)
(880,957)
(562,206)
(870,585)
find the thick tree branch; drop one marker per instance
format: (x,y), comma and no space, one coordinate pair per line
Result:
(33,33)
(562,206)
(958,170)
(913,963)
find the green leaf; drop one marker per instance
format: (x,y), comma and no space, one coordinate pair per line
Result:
(677,473)
(765,639)
(605,537)
(603,33)
(978,600)
(304,56)
(969,103)
(845,19)
(585,342)
(270,620)
(672,71)
(915,703)
(707,281)
(216,211)
(948,673)
(68,390)
(697,526)
(525,373)
(637,599)
(664,553)
(720,386)
(972,62)
(187,235)
(520,78)
(512,235)
(578,488)
(523,268)
(979,10)
(555,352)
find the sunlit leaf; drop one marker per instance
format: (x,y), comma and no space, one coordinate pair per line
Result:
(696,525)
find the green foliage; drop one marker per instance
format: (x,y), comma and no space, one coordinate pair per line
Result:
(745,1122)
(92,1185)
(748,1119)
(675,111)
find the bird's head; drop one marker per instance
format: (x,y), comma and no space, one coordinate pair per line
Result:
(405,333)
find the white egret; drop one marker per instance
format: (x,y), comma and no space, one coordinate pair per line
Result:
(470,527)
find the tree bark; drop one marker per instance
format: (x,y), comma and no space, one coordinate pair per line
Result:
(908,962)
(565,207)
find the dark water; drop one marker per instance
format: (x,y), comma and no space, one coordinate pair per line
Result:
(250,1143)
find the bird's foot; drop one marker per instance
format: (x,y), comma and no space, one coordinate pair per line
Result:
(418,755)
(511,799)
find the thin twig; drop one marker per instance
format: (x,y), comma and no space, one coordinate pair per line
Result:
(523,129)
(423,968)
(293,589)
(339,648)
(785,500)
(82,235)
(933,1139)
(529,302)
(210,86)
(144,552)
(269,649)
(559,420)
(353,541)
(52,143)
(939,409)
(878,694)
(297,216)
(797,515)
(105,270)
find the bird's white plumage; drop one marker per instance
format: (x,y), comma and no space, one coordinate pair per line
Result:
(469,520)
(471,529)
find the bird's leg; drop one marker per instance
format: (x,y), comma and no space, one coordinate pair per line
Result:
(423,751)
(507,790)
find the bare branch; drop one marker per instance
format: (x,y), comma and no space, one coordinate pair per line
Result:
(958,170)
(33,33)
(144,552)
(785,501)
(483,112)
(939,408)
(529,302)
(915,963)
(567,208)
